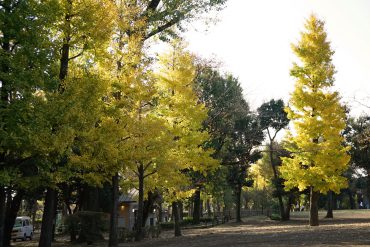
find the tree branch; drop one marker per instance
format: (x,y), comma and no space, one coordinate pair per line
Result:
(151,173)
(273,138)
(147,165)
(153,5)
(125,138)
(79,54)
(163,27)
(269,135)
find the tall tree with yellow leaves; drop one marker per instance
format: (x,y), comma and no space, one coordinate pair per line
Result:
(318,156)
(184,115)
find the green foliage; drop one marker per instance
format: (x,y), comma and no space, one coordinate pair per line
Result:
(87,225)
(27,59)
(272,115)
(358,137)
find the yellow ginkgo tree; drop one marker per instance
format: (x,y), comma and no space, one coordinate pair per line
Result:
(318,157)
(184,115)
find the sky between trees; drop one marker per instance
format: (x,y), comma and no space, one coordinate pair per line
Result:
(253,40)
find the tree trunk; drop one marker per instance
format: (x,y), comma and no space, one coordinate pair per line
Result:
(90,200)
(196,210)
(176,216)
(2,214)
(277,185)
(329,213)
(48,219)
(12,209)
(180,207)
(289,206)
(368,189)
(149,205)
(209,213)
(90,203)
(314,209)
(351,199)
(160,213)
(238,194)
(190,208)
(55,217)
(113,231)
(66,196)
(138,225)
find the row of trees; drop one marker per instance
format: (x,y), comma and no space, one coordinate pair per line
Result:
(85,109)
(82,106)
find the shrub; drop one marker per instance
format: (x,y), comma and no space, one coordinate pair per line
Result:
(88,225)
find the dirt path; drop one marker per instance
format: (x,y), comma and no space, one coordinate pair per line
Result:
(348,228)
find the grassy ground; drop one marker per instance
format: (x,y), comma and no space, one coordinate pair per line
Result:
(348,228)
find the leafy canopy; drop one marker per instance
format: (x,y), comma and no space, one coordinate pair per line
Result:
(318,157)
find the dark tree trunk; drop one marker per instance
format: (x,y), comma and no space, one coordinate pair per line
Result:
(160,213)
(368,189)
(13,206)
(190,208)
(113,231)
(289,206)
(67,198)
(138,224)
(176,217)
(329,213)
(2,214)
(64,60)
(90,201)
(196,204)
(34,212)
(277,184)
(180,207)
(55,216)
(209,213)
(314,209)
(149,205)
(238,195)
(48,218)
(351,199)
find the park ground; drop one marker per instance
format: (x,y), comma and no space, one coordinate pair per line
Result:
(348,228)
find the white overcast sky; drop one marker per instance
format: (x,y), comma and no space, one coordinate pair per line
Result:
(252,38)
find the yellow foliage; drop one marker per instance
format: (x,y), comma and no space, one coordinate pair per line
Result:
(318,156)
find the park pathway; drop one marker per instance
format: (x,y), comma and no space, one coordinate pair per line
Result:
(348,228)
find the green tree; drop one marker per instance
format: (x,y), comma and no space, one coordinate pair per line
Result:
(27,59)
(318,158)
(358,138)
(234,129)
(273,119)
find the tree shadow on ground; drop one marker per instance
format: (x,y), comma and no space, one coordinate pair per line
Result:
(340,231)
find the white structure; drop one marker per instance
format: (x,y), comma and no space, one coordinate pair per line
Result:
(22,228)
(127,211)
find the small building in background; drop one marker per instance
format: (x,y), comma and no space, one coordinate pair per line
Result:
(127,211)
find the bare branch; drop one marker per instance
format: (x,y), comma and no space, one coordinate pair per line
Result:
(163,27)
(79,54)
(151,173)
(147,165)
